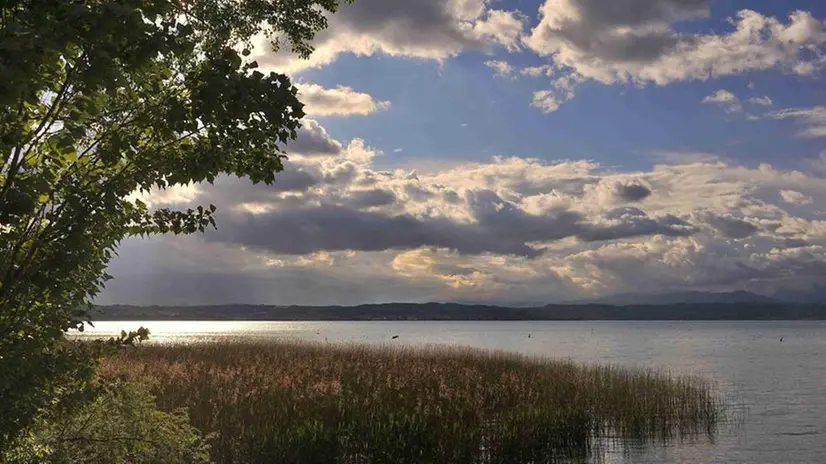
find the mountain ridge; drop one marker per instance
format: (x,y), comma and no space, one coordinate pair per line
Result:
(452,311)
(689,297)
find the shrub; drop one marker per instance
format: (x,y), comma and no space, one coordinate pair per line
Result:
(121,425)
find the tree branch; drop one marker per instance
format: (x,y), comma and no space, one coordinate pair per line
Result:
(53,109)
(15,155)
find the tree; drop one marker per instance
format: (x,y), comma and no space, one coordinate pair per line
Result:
(100,98)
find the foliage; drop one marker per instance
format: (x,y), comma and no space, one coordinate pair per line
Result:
(102,98)
(282,402)
(120,425)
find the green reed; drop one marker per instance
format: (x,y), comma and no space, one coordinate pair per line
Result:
(280,402)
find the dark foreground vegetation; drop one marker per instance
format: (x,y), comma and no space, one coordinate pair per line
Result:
(461,312)
(273,402)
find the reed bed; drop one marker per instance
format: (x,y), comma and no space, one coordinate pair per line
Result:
(279,402)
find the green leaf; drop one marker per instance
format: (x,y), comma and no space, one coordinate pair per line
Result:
(129,80)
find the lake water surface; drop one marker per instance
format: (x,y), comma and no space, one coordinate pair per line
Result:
(779,388)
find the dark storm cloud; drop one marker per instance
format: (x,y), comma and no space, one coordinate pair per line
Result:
(336,228)
(500,227)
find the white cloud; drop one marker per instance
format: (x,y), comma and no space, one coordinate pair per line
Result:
(814,118)
(424,29)
(502,27)
(815,114)
(721,96)
(762,101)
(536,71)
(339,101)
(794,197)
(170,196)
(562,89)
(502,68)
(813,132)
(546,101)
(636,41)
(726,99)
(628,41)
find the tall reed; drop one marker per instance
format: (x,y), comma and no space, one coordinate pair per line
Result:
(278,402)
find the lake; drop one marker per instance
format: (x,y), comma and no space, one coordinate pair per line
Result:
(777,387)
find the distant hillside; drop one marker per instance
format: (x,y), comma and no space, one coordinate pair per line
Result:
(453,311)
(812,295)
(683,297)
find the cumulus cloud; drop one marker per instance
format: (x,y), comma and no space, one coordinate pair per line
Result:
(336,229)
(728,226)
(628,41)
(425,29)
(721,96)
(636,41)
(313,140)
(502,27)
(546,101)
(632,222)
(794,197)
(563,89)
(484,222)
(725,99)
(339,101)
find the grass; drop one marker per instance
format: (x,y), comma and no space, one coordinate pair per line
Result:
(279,402)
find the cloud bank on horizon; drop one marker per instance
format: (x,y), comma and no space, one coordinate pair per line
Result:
(508,152)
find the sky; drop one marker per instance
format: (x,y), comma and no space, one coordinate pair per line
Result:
(523,152)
